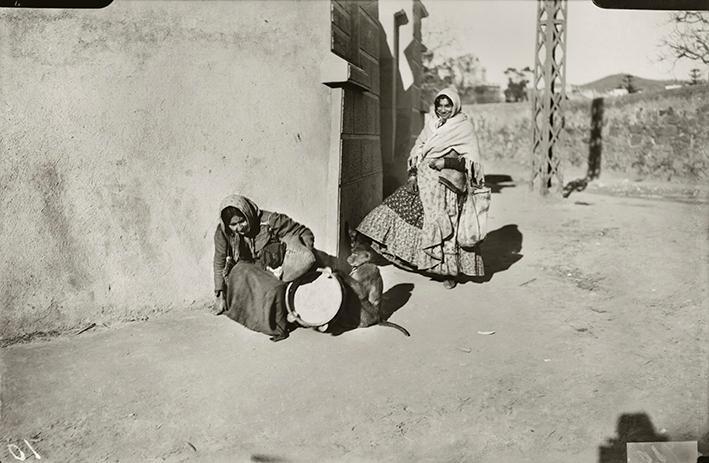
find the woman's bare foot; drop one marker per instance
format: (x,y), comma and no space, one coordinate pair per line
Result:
(450,284)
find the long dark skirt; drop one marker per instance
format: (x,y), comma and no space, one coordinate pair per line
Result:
(256,299)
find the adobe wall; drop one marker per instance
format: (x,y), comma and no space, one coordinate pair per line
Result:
(122,129)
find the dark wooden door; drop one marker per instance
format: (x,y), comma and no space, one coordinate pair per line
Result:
(355,37)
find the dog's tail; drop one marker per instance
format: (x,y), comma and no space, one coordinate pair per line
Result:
(394,325)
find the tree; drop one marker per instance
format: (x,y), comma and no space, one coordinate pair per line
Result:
(439,44)
(628,84)
(694,76)
(433,80)
(464,72)
(517,84)
(689,38)
(446,64)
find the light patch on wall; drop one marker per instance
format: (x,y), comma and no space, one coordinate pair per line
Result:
(406,34)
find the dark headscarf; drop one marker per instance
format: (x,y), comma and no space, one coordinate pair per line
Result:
(246,207)
(252,213)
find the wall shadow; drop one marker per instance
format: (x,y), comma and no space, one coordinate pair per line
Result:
(500,250)
(401,111)
(498,182)
(631,427)
(388,118)
(595,149)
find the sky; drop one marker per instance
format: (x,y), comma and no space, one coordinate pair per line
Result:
(599,42)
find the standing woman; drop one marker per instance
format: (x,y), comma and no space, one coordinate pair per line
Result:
(255,254)
(417,225)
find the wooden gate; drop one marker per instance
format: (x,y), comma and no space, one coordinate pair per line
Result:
(355,38)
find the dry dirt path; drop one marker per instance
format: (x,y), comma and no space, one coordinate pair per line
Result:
(599,307)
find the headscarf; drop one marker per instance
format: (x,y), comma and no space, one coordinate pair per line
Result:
(456,133)
(247,208)
(252,213)
(453,96)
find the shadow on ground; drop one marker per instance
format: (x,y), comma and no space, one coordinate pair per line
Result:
(395,298)
(262,458)
(498,182)
(631,427)
(348,318)
(500,250)
(595,149)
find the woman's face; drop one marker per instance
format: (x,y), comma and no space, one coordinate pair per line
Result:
(238,224)
(444,108)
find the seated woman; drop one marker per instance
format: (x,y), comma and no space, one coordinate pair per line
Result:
(416,227)
(255,254)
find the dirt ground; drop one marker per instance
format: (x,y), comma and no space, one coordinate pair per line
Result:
(598,304)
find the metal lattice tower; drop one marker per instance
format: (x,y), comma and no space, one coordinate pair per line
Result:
(548,91)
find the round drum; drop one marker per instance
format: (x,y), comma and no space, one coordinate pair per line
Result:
(314,302)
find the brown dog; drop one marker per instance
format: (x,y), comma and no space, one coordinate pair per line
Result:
(366,281)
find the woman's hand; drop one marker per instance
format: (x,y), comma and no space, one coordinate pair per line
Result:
(230,262)
(412,185)
(412,162)
(277,272)
(437,164)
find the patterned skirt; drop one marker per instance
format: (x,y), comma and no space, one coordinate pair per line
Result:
(396,229)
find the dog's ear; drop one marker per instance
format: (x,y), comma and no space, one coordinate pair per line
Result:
(351,234)
(367,255)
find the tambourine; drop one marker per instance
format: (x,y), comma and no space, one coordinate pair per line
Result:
(313,303)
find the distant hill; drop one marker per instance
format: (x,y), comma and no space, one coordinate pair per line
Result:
(608,83)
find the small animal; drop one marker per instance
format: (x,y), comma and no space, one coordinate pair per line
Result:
(366,281)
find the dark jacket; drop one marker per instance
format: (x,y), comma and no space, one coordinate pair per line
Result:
(274,228)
